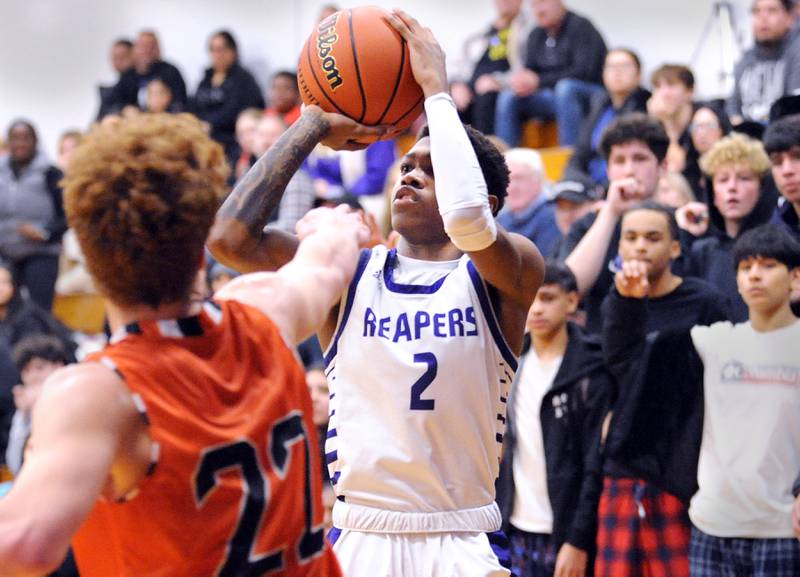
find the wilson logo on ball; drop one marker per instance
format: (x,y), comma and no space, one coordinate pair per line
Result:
(325,41)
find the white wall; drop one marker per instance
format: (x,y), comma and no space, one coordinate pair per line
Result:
(55,52)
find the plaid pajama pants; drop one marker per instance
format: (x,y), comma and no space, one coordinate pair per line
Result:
(643,531)
(711,556)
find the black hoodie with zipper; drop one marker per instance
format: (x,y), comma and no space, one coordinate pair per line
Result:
(571,415)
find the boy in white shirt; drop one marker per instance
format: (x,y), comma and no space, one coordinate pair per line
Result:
(750,375)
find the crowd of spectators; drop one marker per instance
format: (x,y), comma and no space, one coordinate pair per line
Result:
(665,208)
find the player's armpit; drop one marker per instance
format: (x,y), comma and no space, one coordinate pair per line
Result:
(78,424)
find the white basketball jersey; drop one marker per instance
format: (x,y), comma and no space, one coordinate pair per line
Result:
(419,374)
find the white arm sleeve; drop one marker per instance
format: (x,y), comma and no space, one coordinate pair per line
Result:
(460,188)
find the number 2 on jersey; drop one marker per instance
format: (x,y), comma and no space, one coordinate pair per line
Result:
(417,402)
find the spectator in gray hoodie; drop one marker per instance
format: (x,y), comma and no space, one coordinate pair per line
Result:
(771,68)
(31,213)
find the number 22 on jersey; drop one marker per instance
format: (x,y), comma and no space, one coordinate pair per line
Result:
(242,455)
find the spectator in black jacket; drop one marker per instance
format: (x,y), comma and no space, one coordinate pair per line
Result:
(563,70)
(131,90)
(736,388)
(549,481)
(623,93)
(643,524)
(225,90)
(736,166)
(121,58)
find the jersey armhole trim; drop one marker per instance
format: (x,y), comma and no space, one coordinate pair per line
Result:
(491,319)
(363,259)
(141,408)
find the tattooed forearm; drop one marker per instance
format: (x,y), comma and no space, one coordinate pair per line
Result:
(254,199)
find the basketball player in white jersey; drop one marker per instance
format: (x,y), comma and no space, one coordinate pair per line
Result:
(421,351)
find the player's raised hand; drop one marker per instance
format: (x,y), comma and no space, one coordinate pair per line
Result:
(341,219)
(632,281)
(344,133)
(427,56)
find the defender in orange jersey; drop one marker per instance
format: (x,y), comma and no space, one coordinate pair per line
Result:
(186,448)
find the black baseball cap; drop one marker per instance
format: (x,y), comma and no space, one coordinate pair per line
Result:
(576,188)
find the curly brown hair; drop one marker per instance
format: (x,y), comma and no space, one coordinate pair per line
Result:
(141,195)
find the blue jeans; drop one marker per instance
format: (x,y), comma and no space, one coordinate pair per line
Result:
(567,103)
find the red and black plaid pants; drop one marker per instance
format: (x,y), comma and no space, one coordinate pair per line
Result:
(643,531)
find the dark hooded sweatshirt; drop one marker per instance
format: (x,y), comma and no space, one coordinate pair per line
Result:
(571,414)
(711,257)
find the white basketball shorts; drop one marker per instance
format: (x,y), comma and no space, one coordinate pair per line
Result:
(463,554)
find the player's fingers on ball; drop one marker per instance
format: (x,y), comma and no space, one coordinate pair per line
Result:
(397,23)
(407,19)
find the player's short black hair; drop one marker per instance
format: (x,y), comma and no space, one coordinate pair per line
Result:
(559,274)
(782,134)
(491,160)
(635,126)
(45,347)
(668,212)
(123,42)
(767,241)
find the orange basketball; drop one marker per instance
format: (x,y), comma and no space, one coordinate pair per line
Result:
(356,64)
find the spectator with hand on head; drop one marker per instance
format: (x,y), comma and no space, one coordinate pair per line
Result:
(635,146)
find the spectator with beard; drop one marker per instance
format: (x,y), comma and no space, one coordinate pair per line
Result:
(771,68)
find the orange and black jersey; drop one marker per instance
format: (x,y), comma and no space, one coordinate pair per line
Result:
(235,487)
